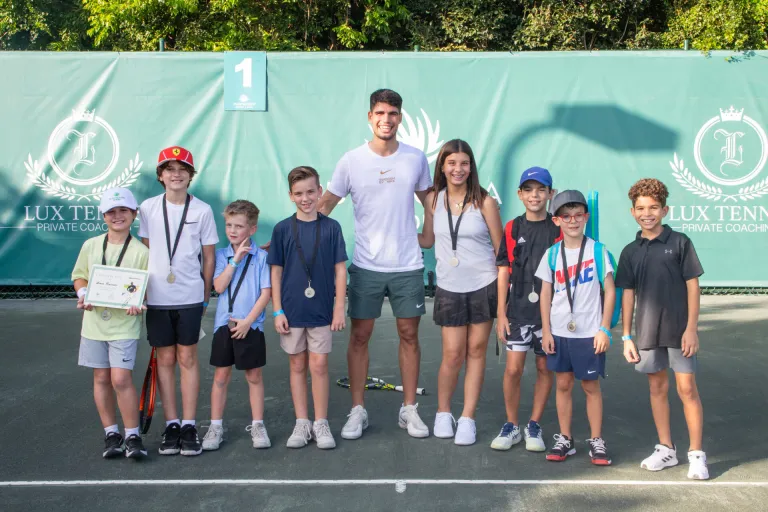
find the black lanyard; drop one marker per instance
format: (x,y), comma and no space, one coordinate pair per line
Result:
(232,296)
(122,253)
(295,228)
(454,233)
(572,297)
(171,253)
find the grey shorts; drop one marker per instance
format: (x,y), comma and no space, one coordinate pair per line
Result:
(658,359)
(108,354)
(367,288)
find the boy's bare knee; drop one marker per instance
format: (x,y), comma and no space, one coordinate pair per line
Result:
(253,376)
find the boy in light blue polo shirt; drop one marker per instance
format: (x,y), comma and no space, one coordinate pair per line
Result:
(242,281)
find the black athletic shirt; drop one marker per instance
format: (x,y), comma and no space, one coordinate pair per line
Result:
(533,240)
(658,270)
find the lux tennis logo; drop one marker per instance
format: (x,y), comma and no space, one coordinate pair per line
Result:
(730,151)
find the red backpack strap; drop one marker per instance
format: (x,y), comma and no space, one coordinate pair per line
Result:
(511,242)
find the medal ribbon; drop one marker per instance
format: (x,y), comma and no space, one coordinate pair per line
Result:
(572,296)
(171,253)
(454,233)
(122,252)
(295,229)
(232,296)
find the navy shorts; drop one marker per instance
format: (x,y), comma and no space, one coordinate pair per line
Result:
(576,355)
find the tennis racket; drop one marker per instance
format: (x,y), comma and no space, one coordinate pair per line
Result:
(148,392)
(376,383)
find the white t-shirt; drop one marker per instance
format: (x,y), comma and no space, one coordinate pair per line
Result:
(587,309)
(199,230)
(382,191)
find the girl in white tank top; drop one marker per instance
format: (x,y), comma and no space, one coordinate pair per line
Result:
(463,223)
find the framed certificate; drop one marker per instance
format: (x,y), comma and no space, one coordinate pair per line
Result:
(116,287)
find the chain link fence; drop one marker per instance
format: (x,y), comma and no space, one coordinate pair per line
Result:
(67,292)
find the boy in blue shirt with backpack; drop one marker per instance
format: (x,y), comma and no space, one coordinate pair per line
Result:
(577,307)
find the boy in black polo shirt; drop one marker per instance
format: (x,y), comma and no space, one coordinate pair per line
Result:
(662,270)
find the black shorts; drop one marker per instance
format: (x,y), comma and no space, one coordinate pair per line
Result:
(245,354)
(524,337)
(168,327)
(454,309)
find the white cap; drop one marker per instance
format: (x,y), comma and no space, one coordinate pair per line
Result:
(116,198)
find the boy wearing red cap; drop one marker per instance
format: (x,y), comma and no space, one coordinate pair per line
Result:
(179,230)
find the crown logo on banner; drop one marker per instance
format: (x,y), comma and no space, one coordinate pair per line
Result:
(84,115)
(731,114)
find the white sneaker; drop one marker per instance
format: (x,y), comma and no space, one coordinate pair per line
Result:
(357,422)
(507,438)
(443,428)
(409,419)
(322,432)
(661,458)
(259,435)
(301,436)
(213,437)
(466,432)
(534,440)
(697,469)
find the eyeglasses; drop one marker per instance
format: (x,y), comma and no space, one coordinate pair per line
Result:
(579,217)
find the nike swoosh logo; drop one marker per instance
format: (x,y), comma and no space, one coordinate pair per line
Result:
(188,222)
(385,172)
(593,371)
(126,360)
(531,173)
(419,305)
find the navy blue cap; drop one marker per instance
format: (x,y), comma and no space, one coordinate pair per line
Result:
(539,174)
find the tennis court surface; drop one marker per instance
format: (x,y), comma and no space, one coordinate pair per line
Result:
(51,440)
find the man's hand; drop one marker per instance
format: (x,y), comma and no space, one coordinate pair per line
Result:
(630,352)
(281,324)
(690,342)
(339,320)
(602,342)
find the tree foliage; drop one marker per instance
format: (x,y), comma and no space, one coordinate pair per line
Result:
(394,25)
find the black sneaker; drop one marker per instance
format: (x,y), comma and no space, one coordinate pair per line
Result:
(190,444)
(113,445)
(134,448)
(171,444)
(598,452)
(562,450)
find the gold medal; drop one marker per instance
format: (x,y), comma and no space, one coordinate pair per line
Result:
(309,292)
(106,315)
(571,326)
(231,324)
(171,278)
(454,262)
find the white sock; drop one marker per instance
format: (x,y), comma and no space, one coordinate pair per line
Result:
(218,423)
(131,431)
(111,429)
(321,420)
(302,420)
(167,423)
(257,422)
(187,422)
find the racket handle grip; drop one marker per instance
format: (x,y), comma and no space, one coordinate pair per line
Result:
(419,391)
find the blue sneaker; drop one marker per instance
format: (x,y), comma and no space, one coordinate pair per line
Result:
(534,441)
(507,438)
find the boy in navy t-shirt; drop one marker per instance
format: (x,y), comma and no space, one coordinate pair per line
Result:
(308,256)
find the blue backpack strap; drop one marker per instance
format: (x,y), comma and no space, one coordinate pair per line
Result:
(600,263)
(552,256)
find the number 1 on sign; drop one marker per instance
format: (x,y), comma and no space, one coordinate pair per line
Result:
(246,67)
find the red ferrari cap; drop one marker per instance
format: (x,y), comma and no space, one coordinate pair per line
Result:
(177,153)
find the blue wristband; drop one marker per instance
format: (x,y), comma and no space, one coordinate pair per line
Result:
(607,333)
(205,304)
(232,262)
(278,313)
(627,337)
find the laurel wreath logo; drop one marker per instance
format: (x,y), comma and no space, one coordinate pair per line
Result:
(692,184)
(56,189)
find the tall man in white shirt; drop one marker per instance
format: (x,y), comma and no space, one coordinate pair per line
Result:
(382,176)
